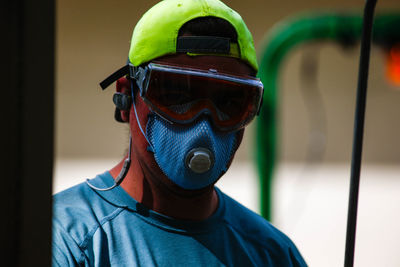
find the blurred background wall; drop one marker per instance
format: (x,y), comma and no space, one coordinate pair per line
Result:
(93,40)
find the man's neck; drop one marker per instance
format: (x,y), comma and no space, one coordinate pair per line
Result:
(164,198)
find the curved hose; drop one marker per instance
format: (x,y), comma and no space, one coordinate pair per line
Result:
(285,36)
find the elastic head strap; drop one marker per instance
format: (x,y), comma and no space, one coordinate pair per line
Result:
(192,45)
(123,71)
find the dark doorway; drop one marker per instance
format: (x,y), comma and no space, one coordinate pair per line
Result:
(27,87)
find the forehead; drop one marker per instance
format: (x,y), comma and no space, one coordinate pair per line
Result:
(228,65)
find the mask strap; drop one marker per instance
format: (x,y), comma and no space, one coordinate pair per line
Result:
(137,119)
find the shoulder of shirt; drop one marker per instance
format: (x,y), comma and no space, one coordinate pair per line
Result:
(79,212)
(258,231)
(253,227)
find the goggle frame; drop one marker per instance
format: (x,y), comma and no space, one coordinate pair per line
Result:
(142,76)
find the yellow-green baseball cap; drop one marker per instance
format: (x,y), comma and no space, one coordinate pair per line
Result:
(156,33)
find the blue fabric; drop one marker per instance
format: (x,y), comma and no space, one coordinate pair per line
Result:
(92,228)
(172,143)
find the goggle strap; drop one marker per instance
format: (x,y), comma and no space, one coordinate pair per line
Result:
(185,44)
(115,76)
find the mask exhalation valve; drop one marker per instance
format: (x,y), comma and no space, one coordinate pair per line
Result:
(199,160)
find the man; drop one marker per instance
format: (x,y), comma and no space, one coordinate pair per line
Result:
(187,92)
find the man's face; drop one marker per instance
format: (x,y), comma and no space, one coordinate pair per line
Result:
(223,65)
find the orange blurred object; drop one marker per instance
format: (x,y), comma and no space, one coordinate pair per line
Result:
(393,65)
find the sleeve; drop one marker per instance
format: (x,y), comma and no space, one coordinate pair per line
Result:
(296,258)
(65,251)
(290,255)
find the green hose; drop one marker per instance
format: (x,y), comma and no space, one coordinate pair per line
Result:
(340,28)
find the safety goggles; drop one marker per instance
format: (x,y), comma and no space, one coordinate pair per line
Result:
(181,95)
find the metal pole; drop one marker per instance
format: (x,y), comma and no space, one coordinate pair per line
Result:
(358,131)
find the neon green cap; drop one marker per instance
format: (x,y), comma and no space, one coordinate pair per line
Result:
(156,33)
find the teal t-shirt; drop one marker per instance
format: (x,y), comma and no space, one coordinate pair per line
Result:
(110,228)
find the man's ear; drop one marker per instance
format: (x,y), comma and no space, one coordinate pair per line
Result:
(123,89)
